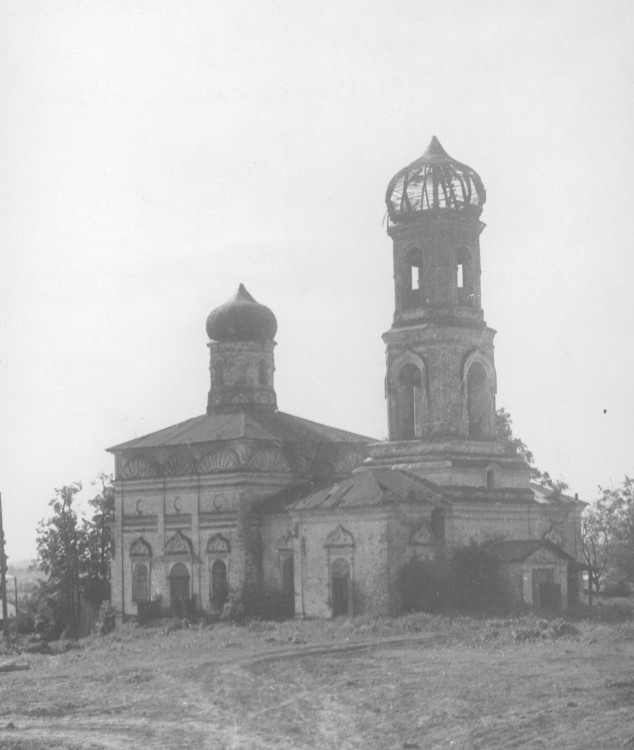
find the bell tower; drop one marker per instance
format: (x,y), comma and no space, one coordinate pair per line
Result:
(440,380)
(440,371)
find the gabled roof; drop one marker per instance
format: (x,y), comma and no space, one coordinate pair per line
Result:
(517,550)
(257,425)
(544,495)
(373,487)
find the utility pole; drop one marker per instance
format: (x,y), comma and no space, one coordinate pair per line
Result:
(3,581)
(17,627)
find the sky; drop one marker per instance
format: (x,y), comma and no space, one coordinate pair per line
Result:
(155,154)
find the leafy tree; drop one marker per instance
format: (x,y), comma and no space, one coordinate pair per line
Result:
(59,547)
(608,533)
(97,543)
(75,554)
(518,447)
(595,542)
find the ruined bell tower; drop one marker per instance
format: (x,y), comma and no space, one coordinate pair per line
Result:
(441,380)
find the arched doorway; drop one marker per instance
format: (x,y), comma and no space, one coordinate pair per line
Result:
(340,588)
(140,581)
(219,583)
(288,583)
(179,589)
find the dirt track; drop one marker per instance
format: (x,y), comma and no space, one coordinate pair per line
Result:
(224,689)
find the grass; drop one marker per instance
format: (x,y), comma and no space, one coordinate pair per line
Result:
(419,681)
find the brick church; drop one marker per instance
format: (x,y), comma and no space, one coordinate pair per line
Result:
(247,494)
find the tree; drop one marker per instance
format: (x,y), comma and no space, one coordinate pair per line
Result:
(608,533)
(75,554)
(504,425)
(595,542)
(59,550)
(97,543)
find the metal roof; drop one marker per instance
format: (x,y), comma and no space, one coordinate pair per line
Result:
(256,425)
(373,487)
(517,550)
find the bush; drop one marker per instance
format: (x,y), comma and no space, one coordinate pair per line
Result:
(616,586)
(471,580)
(107,619)
(478,580)
(423,585)
(254,603)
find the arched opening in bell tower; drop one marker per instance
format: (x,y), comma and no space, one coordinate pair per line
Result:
(479,403)
(414,278)
(409,402)
(465,278)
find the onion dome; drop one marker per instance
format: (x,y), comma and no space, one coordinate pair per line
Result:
(241,319)
(435,182)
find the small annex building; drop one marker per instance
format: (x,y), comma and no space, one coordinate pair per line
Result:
(246,495)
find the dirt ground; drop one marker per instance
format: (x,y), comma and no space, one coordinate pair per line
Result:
(411,684)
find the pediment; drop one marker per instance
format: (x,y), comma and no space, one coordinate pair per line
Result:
(340,537)
(140,548)
(218,544)
(178,544)
(421,535)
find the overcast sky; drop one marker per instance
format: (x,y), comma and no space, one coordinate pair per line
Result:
(156,154)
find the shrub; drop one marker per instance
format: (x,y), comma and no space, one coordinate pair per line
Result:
(107,618)
(252,602)
(423,585)
(478,580)
(471,580)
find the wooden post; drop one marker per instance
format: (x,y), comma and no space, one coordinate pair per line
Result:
(17,630)
(3,581)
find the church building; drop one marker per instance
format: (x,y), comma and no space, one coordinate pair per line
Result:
(246,495)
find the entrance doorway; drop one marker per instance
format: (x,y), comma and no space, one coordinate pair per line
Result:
(341,588)
(546,593)
(288,584)
(179,589)
(219,583)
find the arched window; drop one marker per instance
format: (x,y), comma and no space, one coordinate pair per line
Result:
(438,524)
(479,404)
(140,583)
(263,373)
(414,278)
(219,372)
(219,588)
(490,479)
(409,402)
(465,278)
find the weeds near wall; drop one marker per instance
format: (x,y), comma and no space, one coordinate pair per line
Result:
(469,580)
